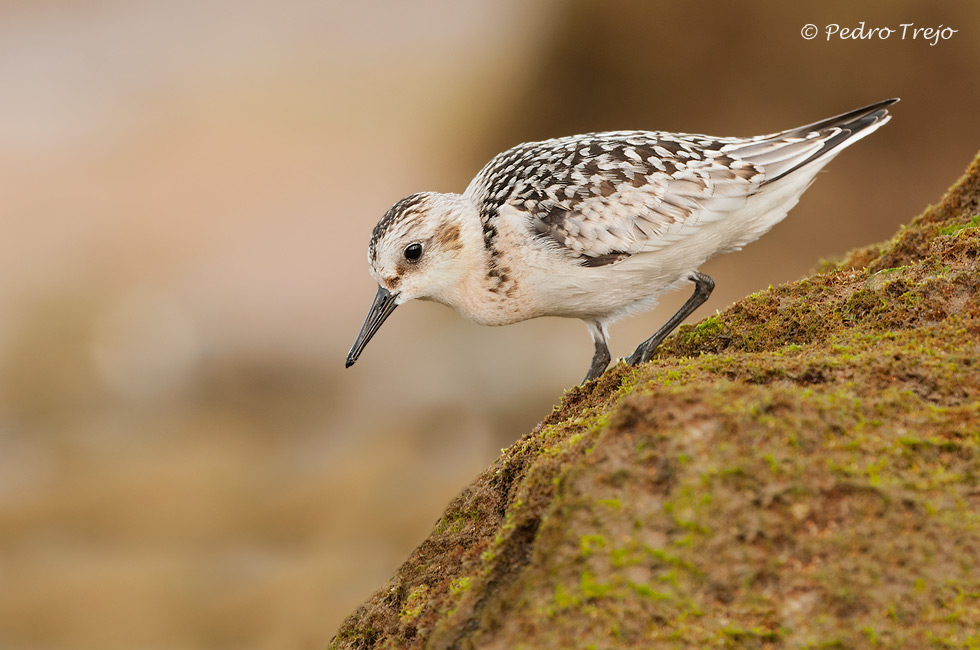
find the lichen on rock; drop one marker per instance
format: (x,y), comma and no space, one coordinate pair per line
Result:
(801,470)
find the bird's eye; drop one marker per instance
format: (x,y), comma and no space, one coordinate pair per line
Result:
(413,252)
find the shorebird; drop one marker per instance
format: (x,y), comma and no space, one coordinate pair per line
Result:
(596,226)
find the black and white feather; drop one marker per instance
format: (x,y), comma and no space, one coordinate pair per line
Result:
(606,196)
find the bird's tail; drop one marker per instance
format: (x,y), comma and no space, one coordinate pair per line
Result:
(813,145)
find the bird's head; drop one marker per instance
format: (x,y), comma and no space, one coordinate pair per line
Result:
(417,250)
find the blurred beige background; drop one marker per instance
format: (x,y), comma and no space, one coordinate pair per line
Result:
(186,194)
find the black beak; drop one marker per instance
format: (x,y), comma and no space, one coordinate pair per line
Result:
(384,303)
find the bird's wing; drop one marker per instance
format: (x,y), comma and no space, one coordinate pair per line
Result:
(602,197)
(605,196)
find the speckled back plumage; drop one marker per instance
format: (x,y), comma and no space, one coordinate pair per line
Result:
(605,196)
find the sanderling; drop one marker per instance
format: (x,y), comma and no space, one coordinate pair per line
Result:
(596,226)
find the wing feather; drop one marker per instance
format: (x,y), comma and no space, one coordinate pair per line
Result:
(606,196)
(601,197)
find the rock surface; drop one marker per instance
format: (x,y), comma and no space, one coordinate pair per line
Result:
(801,470)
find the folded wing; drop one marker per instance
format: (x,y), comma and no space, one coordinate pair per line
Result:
(602,197)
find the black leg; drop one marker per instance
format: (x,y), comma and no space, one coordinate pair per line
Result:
(703,286)
(601,359)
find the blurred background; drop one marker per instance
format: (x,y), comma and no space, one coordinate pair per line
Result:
(187,190)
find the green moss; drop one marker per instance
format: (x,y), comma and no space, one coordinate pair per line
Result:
(590,543)
(954,228)
(591,588)
(742,635)
(708,327)
(459,585)
(564,599)
(414,605)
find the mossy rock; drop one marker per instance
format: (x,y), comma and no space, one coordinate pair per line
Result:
(801,470)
